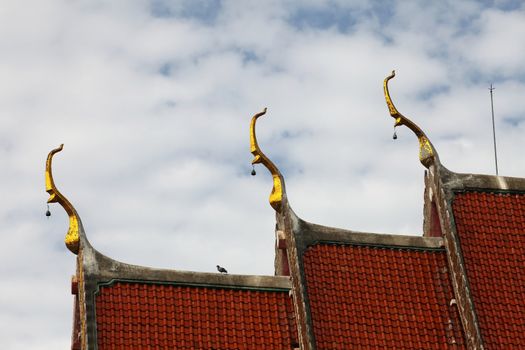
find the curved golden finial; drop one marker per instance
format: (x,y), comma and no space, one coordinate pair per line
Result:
(72,239)
(427,152)
(276,197)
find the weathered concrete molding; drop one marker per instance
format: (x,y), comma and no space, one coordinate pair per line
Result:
(101,268)
(310,234)
(444,185)
(457,181)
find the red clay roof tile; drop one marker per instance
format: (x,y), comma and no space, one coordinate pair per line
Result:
(163,316)
(491,228)
(368,297)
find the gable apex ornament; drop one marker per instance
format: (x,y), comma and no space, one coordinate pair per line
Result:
(278,191)
(72,239)
(427,153)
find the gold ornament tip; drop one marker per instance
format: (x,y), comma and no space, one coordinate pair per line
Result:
(254,146)
(72,239)
(427,153)
(50,184)
(276,196)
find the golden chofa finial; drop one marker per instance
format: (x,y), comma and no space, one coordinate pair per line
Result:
(276,197)
(72,239)
(427,152)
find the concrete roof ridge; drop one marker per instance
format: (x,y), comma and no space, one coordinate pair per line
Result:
(314,233)
(102,268)
(458,181)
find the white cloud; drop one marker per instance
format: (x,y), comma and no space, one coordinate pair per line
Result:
(495,46)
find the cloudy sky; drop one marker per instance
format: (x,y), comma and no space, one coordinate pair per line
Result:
(153,99)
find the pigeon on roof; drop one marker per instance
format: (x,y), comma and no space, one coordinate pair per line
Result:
(221,269)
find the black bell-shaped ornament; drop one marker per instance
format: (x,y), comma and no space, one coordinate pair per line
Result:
(48,213)
(395,135)
(253,172)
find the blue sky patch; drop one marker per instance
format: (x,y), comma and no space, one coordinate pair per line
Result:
(166,69)
(432,92)
(203,11)
(343,18)
(249,56)
(323,18)
(513,121)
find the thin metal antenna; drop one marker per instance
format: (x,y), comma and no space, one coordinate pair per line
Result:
(493,127)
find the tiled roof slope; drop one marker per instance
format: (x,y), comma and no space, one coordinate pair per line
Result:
(367,297)
(169,316)
(491,228)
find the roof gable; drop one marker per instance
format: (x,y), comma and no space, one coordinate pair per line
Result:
(491,228)
(380,297)
(170,316)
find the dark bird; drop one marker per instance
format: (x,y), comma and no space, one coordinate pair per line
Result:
(221,269)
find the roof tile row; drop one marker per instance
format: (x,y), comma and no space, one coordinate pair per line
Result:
(362,297)
(163,316)
(491,228)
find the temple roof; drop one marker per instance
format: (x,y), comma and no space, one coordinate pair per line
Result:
(130,306)
(162,315)
(491,227)
(377,296)
(458,286)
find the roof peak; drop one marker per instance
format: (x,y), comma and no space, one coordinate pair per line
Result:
(427,153)
(278,194)
(75,231)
